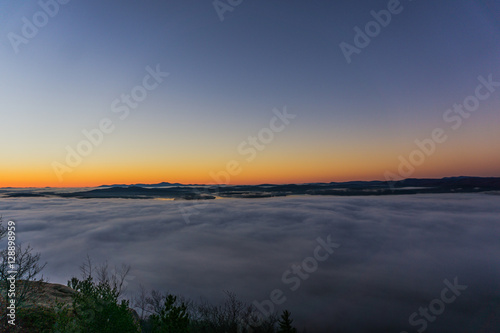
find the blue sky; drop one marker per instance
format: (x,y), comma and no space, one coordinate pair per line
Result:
(226,77)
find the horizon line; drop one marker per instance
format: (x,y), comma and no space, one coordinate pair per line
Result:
(260,184)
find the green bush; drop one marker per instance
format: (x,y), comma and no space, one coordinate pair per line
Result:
(95,309)
(36,319)
(171,318)
(285,323)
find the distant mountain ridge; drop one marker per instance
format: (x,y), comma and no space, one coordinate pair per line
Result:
(162,184)
(463,180)
(177,191)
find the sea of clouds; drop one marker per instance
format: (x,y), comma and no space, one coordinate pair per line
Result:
(393,256)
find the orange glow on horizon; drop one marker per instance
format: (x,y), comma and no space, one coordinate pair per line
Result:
(254,179)
(284,167)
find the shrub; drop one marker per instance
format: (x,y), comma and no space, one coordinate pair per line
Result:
(96,309)
(36,319)
(171,318)
(285,323)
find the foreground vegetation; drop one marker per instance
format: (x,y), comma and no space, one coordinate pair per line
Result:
(97,304)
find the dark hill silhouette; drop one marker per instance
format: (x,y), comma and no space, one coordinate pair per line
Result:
(359,188)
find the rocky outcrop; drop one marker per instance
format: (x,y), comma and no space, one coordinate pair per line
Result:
(51,294)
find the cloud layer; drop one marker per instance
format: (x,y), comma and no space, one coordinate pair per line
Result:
(395,252)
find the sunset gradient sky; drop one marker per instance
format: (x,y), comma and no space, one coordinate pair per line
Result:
(352,121)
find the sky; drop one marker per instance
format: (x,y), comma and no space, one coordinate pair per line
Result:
(391,257)
(98,92)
